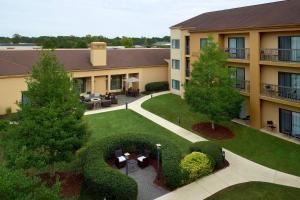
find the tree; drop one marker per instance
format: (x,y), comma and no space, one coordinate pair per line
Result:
(50,127)
(15,185)
(16,39)
(127,42)
(210,90)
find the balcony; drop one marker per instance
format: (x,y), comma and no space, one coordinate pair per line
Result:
(242,85)
(280,55)
(281,92)
(234,53)
(187,73)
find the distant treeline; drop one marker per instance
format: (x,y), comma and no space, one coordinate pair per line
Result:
(82,42)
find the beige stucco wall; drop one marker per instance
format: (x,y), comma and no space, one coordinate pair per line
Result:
(10,90)
(270,112)
(11,87)
(100,84)
(269,74)
(270,40)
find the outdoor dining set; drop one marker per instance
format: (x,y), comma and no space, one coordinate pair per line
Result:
(95,101)
(130,162)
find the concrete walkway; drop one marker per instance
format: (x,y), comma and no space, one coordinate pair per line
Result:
(240,170)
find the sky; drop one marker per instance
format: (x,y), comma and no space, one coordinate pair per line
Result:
(110,18)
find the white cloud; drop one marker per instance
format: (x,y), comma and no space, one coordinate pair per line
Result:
(103,17)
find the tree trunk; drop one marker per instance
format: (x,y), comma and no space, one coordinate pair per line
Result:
(213,125)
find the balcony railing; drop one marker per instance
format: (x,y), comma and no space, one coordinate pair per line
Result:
(234,53)
(280,55)
(187,72)
(242,85)
(187,50)
(280,92)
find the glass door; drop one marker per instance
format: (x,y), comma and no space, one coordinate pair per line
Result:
(296,49)
(296,124)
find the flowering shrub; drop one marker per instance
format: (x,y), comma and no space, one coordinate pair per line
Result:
(196,165)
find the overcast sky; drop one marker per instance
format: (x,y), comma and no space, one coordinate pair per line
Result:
(103,17)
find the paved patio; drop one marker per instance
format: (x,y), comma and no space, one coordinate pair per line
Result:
(146,188)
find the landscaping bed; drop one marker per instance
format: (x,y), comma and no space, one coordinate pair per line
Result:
(220,132)
(70,183)
(248,142)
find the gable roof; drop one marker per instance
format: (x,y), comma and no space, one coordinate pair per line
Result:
(20,62)
(280,13)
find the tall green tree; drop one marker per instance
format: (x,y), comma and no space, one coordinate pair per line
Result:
(210,90)
(50,127)
(16,39)
(127,42)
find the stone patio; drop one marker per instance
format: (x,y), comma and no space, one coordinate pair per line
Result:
(147,190)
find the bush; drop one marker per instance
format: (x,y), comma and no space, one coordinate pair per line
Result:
(15,185)
(157,86)
(196,165)
(100,178)
(210,148)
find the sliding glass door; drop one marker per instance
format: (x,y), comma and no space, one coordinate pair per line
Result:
(237,47)
(289,85)
(289,122)
(289,48)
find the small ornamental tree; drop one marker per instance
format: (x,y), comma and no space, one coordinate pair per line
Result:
(50,127)
(210,90)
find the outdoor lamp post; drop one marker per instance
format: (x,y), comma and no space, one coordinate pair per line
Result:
(127,158)
(158,147)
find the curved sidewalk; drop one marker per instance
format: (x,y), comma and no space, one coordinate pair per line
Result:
(240,170)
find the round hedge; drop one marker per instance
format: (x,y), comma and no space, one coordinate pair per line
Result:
(210,148)
(103,181)
(196,165)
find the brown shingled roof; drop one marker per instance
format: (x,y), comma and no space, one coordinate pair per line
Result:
(258,16)
(20,62)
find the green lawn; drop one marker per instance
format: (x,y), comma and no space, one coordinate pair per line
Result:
(257,191)
(126,121)
(250,143)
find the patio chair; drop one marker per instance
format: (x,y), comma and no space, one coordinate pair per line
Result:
(113,99)
(89,105)
(143,159)
(271,125)
(120,159)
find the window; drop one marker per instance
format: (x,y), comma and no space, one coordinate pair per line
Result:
(80,85)
(175,44)
(175,84)
(203,42)
(116,82)
(239,77)
(289,122)
(175,64)
(25,99)
(236,47)
(289,85)
(289,48)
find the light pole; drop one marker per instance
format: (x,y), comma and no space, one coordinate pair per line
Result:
(158,147)
(127,158)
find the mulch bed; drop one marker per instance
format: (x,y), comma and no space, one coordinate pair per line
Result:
(220,132)
(70,182)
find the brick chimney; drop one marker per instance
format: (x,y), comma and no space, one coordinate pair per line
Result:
(98,54)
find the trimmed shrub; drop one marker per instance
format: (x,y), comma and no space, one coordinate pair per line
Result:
(196,165)
(157,86)
(15,185)
(210,148)
(100,178)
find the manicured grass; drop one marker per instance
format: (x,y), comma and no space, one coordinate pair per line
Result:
(250,143)
(126,121)
(257,191)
